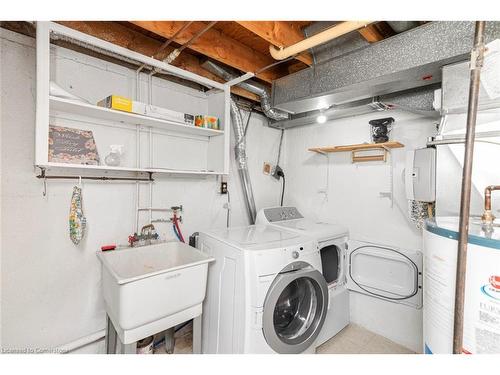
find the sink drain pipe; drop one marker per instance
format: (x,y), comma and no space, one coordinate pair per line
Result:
(242,161)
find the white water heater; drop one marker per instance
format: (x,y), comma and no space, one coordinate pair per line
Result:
(482,289)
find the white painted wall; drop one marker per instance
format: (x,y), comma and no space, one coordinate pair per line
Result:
(332,189)
(51,289)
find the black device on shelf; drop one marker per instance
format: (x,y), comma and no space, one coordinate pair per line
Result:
(380,129)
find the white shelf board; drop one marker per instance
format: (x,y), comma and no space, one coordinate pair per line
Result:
(89,110)
(106,168)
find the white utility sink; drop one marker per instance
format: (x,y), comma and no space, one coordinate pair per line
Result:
(146,285)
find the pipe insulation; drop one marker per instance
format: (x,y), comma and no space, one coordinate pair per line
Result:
(317,39)
(241,160)
(254,87)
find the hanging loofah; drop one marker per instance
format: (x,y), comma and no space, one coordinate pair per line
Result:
(77,220)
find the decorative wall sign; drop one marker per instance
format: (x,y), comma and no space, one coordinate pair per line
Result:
(73,146)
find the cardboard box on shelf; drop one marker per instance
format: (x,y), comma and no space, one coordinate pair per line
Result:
(167,114)
(121,103)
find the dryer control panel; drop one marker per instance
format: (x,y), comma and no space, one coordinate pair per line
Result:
(276,214)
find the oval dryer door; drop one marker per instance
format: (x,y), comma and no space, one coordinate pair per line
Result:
(294,310)
(387,273)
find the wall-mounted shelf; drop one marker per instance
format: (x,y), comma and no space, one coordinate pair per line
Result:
(355,157)
(356,147)
(133,119)
(151,145)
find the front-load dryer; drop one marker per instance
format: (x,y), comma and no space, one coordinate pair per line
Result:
(332,240)
(265,291)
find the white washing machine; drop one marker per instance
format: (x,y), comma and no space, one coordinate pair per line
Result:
(383,272)
(332,241)
(265,291)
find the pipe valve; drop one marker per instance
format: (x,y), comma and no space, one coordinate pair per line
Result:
(488,218)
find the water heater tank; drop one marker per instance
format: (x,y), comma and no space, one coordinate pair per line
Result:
(482,290)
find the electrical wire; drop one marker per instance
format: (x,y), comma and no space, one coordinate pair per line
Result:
(170,40)
(228,208)
(283,189)
(196,36)
(248,120)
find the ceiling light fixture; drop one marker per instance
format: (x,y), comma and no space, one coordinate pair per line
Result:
(321,119)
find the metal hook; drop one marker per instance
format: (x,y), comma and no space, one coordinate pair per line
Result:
(42,175)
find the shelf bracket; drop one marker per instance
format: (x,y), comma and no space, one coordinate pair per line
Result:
(356,158)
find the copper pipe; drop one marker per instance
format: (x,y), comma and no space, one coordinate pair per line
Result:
(487,196)
(488,216)
(476,63)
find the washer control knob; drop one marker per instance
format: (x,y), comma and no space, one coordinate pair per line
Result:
(295,254)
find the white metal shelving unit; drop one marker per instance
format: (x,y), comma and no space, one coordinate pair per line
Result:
(49,107)
(133,119)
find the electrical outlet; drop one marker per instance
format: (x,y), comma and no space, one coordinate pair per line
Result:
(223,187)
(268,168)
(276,172)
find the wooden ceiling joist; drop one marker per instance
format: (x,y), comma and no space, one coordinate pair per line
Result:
(278,33)
(216,45)
(138,42)
(376,32)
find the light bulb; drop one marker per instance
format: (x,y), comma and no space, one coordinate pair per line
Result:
(321,119)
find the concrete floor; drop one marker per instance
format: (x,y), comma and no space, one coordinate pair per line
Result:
(351,340)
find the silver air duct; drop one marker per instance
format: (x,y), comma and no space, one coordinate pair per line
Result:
(405,61)
(241,160)
(402,26)
(419,101)
(254,87)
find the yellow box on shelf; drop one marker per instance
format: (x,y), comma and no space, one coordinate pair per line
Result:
(122,103)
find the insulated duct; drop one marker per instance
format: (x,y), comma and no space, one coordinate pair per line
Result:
(402,26)
(419,101)
(405,61)
(254,87)
(241,160)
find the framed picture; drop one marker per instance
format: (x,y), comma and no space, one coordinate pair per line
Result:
(72,146)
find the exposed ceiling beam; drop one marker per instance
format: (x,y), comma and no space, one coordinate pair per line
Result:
(215,45)
(371,33)
(138,42)
(278,33)
(295,66)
